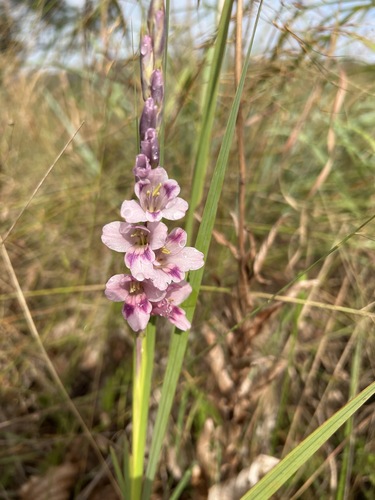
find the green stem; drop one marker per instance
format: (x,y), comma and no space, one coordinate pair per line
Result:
(143,359)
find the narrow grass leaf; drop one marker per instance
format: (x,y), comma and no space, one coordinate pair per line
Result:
(184,481)
(280,474)
(355,373)
(118,473)
(91,162)
(208,114)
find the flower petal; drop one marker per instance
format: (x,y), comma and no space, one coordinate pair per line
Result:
(189,259)
(140,262)
(131,211)
(178,292)
(175,209)
(116,288)
(158,234)
(179,319)
(153,293)
(136,311)
(113,238)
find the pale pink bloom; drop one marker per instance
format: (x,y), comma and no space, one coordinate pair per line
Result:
(138,243)
(173,260)
(168,306)
(137,297)
(157,198)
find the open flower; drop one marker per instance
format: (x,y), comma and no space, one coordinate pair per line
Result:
(157,198)
(176,293)
(138,243)
(137,297)
(173,260)
(158,261)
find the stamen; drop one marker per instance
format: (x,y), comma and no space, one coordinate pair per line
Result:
(135,287)
(156,191)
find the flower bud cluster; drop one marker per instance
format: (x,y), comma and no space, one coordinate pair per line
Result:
(157,260)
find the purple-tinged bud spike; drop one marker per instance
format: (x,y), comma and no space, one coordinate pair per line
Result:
(148,117)
(156,26)
(147,65)
(159,34)
(157,87)
(150,147)
(142,166)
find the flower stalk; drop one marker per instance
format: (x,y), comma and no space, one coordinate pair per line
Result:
(156,260)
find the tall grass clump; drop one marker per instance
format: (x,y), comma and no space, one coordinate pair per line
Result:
(261,383)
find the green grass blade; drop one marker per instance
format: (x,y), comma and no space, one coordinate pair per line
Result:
(179,339)
(184,481)
(118,472)
(88,156)
(349,427)
(141,399)
(208,114)
(126,459)
(305,450)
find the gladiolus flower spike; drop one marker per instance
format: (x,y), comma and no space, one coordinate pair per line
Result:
(153,283)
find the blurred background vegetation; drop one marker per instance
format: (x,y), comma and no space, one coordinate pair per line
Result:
(254,384)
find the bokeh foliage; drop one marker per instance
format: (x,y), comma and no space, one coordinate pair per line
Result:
(304,108)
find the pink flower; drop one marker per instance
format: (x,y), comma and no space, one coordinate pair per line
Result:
(167,307)
(173,260)
(137,297)
(157,198)
(138,243)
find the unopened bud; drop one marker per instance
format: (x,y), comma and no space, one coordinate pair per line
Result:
(156,26)
(148,117)
(150,147)
(147,65)
(159,34)
(157,87)
(142,166)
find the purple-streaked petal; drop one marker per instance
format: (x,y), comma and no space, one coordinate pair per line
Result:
(165,275)
(112,236)
(160,196)
(176,240)
(154,216)
(117,287)
(170,189)
(179,319)
(175,294)
(132,212)
(140,262)
(136,311)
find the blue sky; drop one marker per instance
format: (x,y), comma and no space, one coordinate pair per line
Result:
(321,15)
(319,10)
